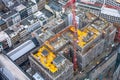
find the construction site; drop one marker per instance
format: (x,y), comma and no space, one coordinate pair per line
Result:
(59,40)
(93,42)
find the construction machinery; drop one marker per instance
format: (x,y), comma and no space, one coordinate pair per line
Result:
(71,3)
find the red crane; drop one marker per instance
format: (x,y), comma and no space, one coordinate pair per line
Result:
(71,4)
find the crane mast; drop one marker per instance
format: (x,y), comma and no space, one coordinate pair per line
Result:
(71,4)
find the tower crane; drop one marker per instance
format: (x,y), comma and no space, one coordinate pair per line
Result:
(71,3)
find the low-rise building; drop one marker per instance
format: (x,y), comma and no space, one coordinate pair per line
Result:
(22,10)
(40,3)
(5,41)
(30,23)
(3,25)
(31,7)
(11,18)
